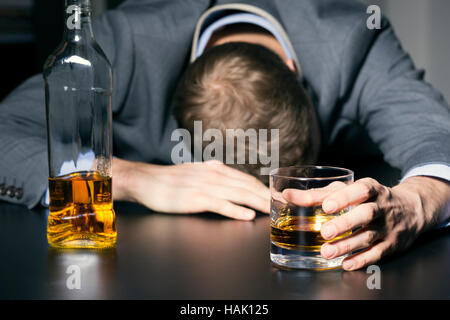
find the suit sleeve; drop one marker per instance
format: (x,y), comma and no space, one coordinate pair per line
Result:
(23,135)
(407,118)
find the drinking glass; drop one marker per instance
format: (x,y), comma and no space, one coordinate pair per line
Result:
(295,230)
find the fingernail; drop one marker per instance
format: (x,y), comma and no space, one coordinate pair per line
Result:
(328,251)
(328,231)
(329,206)
(348,264)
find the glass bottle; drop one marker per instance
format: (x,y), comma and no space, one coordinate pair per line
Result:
(78,93)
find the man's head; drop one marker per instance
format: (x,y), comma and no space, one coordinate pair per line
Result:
(239,85)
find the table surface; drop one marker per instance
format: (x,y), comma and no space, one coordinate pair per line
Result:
(203,256)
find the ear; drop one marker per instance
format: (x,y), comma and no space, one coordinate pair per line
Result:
(291,65)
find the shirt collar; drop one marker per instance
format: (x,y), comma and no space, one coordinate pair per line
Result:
(218,12)
(240,18)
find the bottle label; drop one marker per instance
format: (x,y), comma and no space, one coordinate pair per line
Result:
(74,19)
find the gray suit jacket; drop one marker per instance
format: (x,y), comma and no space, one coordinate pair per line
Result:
(359,80)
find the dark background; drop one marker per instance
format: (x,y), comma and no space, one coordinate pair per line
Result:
(31,29)
(29,32)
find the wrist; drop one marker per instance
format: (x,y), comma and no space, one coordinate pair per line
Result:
(123,180)
(131,178)
(433,199)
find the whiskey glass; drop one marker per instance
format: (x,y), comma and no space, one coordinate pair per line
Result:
(295,230)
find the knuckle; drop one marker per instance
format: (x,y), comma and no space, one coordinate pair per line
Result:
(335,185)
(344,224)
(378,208)
(370,181)
(371,212)
(221,206)
(366,190)
(369,186)
(338,223)
(344,248)
(377,253)
(385,193)
(370,237)
(360,262)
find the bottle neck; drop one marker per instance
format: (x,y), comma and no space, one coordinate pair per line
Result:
(77,21)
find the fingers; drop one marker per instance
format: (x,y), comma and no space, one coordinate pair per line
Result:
(241,179)
(367,257)
(356,193)
(359,216)
(228,209)
(239,196)
(368,197)
(239,187)
(218,182)
(311,197)
(369,238)
(360,239)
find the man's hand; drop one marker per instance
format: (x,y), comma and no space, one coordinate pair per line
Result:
(191,188)
(390,218)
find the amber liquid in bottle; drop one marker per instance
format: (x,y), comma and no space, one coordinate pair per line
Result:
(81,211)
(78,99)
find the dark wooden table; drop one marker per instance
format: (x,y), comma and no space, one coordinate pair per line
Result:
(162,256)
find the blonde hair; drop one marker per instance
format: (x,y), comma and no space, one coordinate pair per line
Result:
(240,85)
